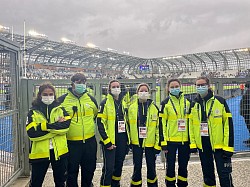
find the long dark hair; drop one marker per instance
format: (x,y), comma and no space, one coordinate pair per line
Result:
(42,87)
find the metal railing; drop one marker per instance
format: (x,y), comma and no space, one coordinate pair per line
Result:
(11,133)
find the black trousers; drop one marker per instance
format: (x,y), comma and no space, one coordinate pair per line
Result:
(113,163)
(183,158)
(39,170)
(84,155)
(223,165)
(150,162)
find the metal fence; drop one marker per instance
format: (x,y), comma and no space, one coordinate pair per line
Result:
(14,143)
(228,88)
(10,129)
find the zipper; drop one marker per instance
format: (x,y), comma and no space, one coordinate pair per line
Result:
(199,117)
(82,118)
(210,131)
(55,149)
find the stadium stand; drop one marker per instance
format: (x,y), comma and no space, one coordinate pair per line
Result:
(97,63)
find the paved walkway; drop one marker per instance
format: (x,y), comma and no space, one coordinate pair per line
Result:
(241,175)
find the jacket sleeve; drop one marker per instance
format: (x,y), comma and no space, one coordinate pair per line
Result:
(157,145)
(101,124)
(190,126)
(228,129)
(59,127)
(34,130)
(163,125)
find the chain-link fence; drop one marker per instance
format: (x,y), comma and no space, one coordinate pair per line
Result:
(10,130)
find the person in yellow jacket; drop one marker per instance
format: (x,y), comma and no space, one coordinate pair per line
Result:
(114,132)
(47,125)
(82,107)
(211,131)
(173,121)
(144,132)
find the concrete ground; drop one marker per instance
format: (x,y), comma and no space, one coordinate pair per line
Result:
(241,174)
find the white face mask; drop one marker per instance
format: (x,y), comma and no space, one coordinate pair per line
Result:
(116,91)
(47,100)
(143,95)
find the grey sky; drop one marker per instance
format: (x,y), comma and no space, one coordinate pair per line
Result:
(145,28)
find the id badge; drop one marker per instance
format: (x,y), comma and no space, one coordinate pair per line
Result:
(204,129)
(181,125)
(121,127)
(142,132)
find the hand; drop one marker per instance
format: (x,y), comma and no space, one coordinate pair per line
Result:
(111,147)
(193,150)
(61,119)
(227,154)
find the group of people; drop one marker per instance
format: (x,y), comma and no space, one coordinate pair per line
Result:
(62,132)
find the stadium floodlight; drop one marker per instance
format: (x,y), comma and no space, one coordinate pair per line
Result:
(91,45)
(68,41)
(36,34)
(112,50)
(3,28)
(242,50)
(125,52)
(171,57)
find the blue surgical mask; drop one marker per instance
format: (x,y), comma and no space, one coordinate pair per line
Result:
(80,88)
(202,90)
(175,91)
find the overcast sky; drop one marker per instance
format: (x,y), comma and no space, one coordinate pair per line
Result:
(145,28)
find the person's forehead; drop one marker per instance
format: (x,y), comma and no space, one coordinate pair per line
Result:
(115,84)
(48,90)
(174,83)
(143,88)
(201,81)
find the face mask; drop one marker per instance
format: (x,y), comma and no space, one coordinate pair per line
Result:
(116,91)
(202,90)
(175,91)
(47,100)
(80,88)
(143,95)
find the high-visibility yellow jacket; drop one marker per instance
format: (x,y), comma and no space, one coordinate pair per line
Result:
(43,129)
(173,109)
(83,111)
(152,124)
(106,120)
(220,124)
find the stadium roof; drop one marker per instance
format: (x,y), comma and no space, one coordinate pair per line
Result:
(41,50)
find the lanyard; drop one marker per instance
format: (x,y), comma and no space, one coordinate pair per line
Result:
(118,110)
(210,110)
(185,112)
(143,116)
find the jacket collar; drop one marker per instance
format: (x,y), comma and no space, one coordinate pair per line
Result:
(208,96)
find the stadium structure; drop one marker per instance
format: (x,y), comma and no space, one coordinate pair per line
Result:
(41,53)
